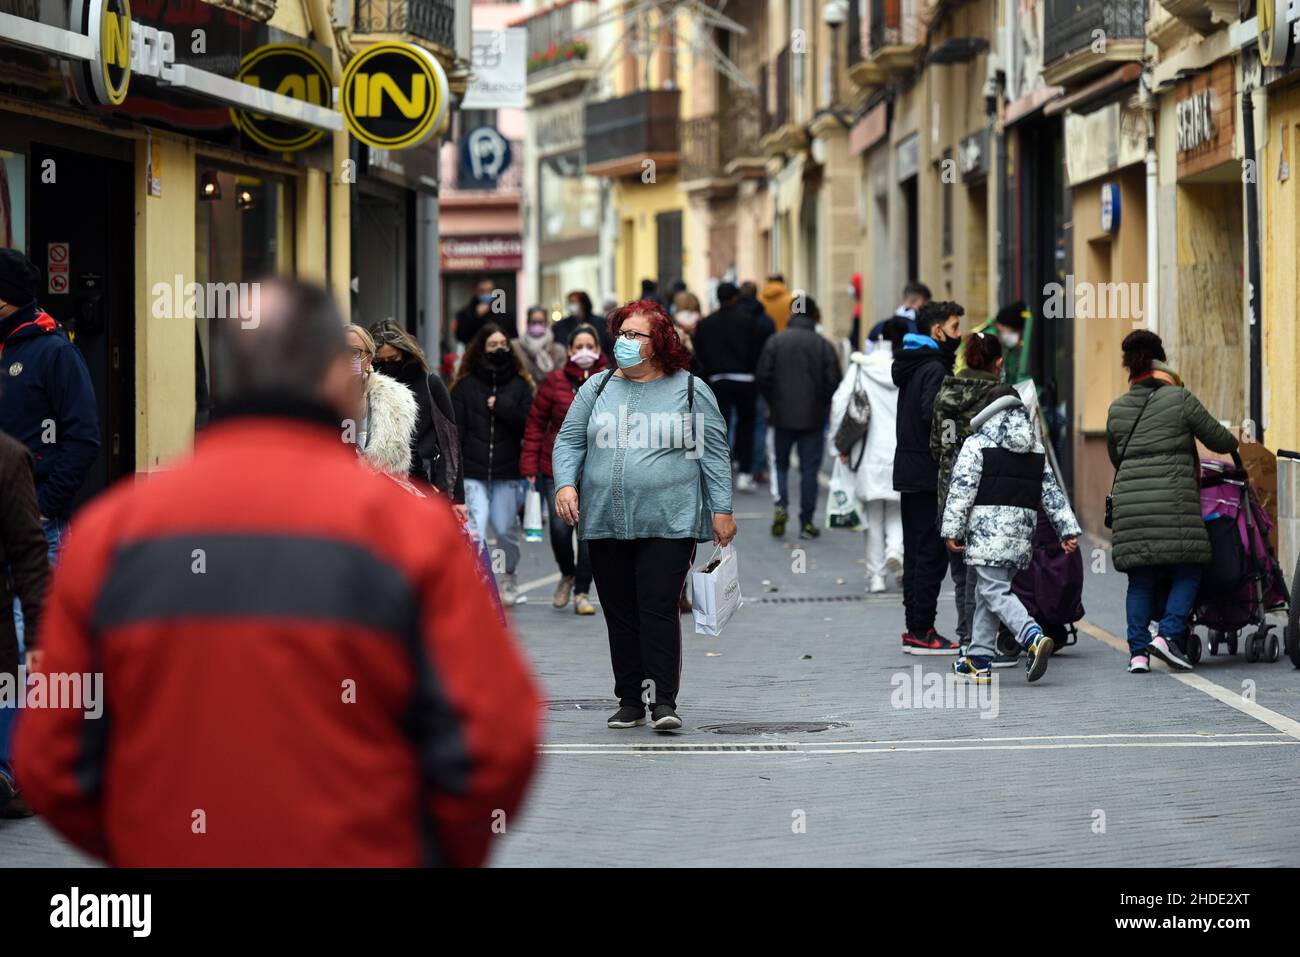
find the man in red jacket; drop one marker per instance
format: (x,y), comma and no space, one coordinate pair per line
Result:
(301,665)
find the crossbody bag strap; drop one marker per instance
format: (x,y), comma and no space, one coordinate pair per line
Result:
(1129,440)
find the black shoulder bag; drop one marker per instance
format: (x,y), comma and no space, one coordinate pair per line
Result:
(1110,496)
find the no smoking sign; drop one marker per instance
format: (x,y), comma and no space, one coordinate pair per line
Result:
(56,267)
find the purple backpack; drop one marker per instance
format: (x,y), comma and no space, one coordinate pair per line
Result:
(1051,588)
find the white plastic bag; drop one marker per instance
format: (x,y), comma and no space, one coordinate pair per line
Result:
(716,590)
(842,500)
(533,516)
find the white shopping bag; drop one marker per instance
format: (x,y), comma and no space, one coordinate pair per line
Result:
(842,500)
(533,516)
(716,590)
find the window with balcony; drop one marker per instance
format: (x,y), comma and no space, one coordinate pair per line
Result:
(432,20)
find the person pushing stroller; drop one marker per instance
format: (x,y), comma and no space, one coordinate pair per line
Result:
(1000,478)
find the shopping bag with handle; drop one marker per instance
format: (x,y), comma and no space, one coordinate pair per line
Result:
(842,500)
(533,516)
(716,590)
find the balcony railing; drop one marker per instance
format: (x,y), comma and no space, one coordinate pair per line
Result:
(893,23)
(1070,25)
(556,36)
(710,143)
(774,93)
(624,131)
(432,20)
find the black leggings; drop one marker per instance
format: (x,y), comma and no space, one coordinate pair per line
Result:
(640,582)
(561,536)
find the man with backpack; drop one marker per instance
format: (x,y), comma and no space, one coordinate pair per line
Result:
(798,373)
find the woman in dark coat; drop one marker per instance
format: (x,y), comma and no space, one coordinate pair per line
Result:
(1158,530)
(435,447)
(491,395)
(549,408)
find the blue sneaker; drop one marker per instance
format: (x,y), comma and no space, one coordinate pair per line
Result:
(1038,648)
(968,669)
(1006,659)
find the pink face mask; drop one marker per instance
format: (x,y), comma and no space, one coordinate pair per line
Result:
(584,358)
(356,367)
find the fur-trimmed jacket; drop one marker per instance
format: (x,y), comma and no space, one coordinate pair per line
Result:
(998,482)
(391,415)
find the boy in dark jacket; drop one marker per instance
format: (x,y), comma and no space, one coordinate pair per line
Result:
(998,482)
(919,369)
(798,373)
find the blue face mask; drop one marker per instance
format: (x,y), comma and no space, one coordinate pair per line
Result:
(627,354)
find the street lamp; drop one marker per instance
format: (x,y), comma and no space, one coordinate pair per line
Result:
(834,14)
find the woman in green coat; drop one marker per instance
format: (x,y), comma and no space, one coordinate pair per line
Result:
(1158,531)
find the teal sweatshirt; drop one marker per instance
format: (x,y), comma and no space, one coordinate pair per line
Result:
(644,466)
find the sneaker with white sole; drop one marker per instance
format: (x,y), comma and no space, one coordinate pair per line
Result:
(628,716)
(1169,653)
(582,605)
(744,482)
(894,565)
(876,585)
(664,718)
(1038,651)
(1139,665)
(509,590)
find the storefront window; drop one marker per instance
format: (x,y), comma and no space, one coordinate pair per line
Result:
(243,232)
(13,200)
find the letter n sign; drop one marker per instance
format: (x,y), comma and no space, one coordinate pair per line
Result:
(394,95)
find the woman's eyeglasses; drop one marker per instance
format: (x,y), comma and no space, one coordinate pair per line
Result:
(359,353)
(632,336)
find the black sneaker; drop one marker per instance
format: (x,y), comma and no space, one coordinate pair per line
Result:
(664,718)
(628,716)
(779,519)
(931,643)
(809,530)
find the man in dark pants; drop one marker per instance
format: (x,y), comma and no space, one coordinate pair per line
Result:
(918,371)
(798,373)
(728,343)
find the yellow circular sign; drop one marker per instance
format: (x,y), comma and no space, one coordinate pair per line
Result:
(394,95)
(110,31)
(290,70)
(1274,32)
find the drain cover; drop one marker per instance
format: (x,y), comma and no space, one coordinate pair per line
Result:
(774,727)
(580,704)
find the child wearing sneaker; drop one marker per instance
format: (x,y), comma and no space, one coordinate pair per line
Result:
(999,480)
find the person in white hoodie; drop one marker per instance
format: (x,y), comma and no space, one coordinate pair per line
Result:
(871,461)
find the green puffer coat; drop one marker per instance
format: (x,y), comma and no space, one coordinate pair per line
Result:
(1157,501)
(959,398)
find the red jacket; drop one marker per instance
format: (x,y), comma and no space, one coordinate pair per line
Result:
(301,667)
(550,406)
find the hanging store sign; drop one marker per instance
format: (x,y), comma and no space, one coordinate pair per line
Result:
(394,95)
(287,70)
(1274,31)
(482,254)
(1110,208)
(110,49)
(973,157)
(499,60)
(484,155)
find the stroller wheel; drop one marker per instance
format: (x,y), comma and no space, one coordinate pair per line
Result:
(1254,646)
(1193,647)
(1232,643)
(1215,637)
(1272,648)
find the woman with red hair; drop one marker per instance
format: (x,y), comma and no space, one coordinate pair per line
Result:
(644,449)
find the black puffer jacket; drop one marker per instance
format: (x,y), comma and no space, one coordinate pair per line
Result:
(918,373)
(490,439)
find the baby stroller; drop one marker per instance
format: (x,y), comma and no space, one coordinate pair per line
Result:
(1243,581)
(1051,588)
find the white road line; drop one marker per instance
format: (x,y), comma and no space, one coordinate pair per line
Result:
(785,749)
(1233,699)
(721,742)
(550,579)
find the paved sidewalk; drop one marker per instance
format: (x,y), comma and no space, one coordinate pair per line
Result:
(1090,766)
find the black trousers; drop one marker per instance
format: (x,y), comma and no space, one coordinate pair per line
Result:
(640,582)
(738,397)
(810,460)
(925,560)
(561,536)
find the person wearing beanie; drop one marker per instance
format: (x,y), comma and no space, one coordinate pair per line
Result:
(47,401)
(999,480)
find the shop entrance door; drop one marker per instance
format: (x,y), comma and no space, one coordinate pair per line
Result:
(82,238)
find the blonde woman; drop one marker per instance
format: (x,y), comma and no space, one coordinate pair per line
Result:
(386,411)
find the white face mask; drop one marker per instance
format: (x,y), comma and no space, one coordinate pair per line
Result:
(1010,339)
(687,318)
